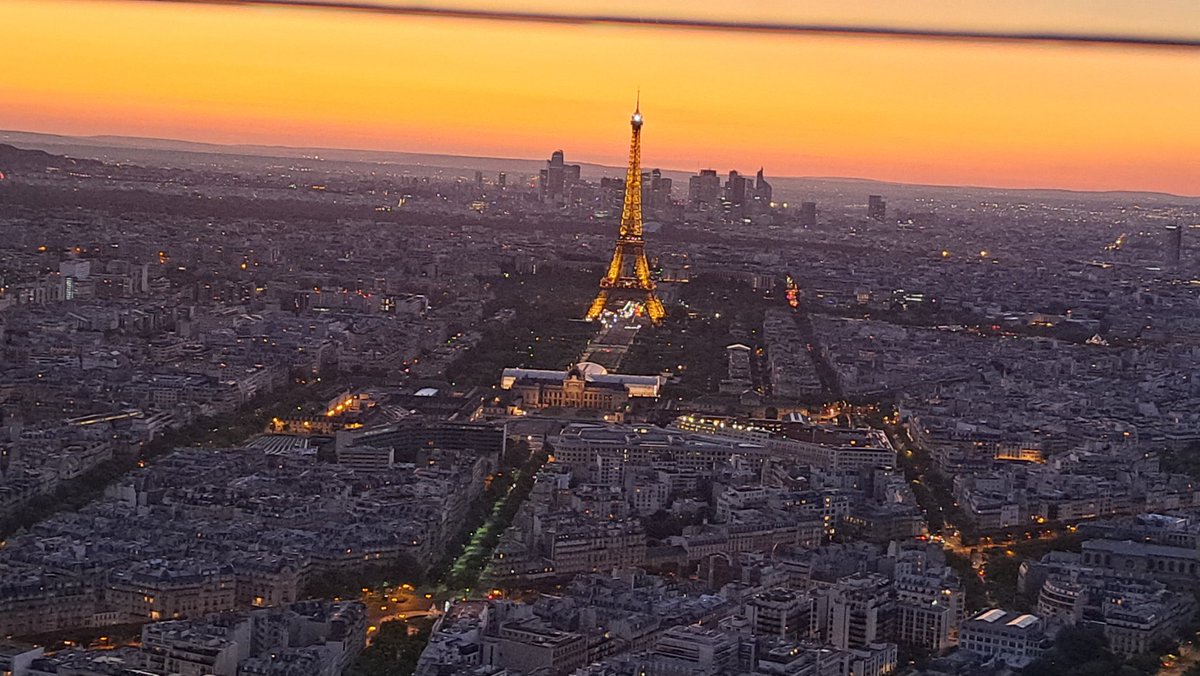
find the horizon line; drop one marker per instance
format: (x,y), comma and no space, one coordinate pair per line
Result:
(99,138)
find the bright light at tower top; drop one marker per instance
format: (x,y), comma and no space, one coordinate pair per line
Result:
(637,119)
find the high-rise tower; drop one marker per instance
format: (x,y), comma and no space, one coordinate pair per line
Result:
(1174,246)
(628,275)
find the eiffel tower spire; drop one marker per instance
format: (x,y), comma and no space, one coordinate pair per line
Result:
(628,274)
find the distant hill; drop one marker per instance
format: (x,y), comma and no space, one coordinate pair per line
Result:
(190,153)
(14,161)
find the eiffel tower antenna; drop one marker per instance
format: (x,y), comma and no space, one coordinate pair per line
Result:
(628,275)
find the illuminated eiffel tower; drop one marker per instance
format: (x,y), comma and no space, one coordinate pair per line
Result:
(628,276)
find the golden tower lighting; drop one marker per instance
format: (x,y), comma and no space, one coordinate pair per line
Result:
(628,274)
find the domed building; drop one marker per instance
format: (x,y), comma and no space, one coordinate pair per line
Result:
(586,385)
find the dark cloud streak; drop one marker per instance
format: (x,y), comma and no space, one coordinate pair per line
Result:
(878,32)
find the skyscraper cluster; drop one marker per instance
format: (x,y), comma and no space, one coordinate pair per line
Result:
(555,181)
(739,193)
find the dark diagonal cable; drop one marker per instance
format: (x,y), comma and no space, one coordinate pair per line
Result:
(781,28)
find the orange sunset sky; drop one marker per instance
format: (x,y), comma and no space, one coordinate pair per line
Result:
(1083,117)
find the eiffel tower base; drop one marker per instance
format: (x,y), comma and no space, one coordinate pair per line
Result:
(652,306)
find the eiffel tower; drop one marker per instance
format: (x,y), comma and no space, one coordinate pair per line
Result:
(628,275)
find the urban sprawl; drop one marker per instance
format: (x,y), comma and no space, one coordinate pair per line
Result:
(292,416)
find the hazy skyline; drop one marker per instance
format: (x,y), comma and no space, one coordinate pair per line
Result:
(916,111)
